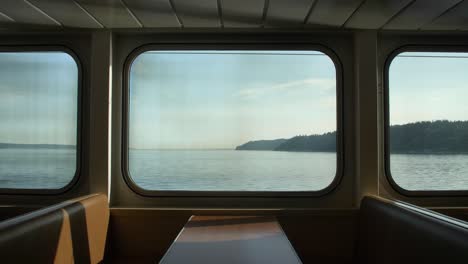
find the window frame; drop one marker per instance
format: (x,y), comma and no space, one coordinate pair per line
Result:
(128,62)
(394,185)
(79,124)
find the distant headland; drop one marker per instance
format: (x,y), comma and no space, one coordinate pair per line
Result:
(313,143)
(426,137)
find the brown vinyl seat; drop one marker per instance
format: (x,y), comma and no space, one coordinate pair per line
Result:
(396,232)
(73,231)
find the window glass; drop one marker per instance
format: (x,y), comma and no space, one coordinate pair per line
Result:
(428,114)
(232,121)
(38,119)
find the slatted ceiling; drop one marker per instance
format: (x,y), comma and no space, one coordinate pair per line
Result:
(5,19)
(22,12)
(242,13)
(332,12)
(199,13)
(420,13)
(110,13)
(67,12)
(373,14)
(153,13)
(359,14)
(287,13)
(453,19)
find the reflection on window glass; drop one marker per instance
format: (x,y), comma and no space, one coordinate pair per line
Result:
(428,132)
(38,119)
(232,121)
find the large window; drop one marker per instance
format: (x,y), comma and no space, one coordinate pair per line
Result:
(255,121)
(38,119)
(428,116)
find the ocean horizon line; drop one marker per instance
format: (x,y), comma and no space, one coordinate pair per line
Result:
(182,148)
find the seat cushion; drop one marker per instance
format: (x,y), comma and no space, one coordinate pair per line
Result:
(392,232)
(72,231)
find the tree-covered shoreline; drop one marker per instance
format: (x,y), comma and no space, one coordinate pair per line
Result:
(425,137)
(313,143)
(429,137)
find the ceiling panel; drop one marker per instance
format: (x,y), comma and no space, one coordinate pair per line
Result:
(22,12)
(110,13)
(287,13)
(242,13)
(199,13)
(332,12)
(420,13)
(373,14)
(5,19)
(153,13)
(455,18)
(358,14)
(66,12)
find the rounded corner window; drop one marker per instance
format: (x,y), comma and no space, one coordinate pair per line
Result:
(231,121)
(39,121)
(427,121)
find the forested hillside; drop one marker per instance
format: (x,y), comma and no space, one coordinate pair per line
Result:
(421,137)
(261,144)
(430,137)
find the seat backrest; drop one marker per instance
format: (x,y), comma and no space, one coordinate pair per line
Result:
(70,232)
(395,232)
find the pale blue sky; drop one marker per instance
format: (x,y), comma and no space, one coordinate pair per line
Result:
(220,100)
(181,100)
(38,98)
(428,86)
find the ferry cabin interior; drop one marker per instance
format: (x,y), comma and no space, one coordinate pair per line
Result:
(382,203)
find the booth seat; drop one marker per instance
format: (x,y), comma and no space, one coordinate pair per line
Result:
(73,231)
(397,232)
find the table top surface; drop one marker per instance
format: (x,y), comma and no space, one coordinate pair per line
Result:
(231,239)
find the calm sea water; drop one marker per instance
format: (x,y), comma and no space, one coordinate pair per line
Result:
(430,172)
(231,170)
(36,168)
(228,170)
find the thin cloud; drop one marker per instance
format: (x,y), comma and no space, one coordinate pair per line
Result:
(321,84)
